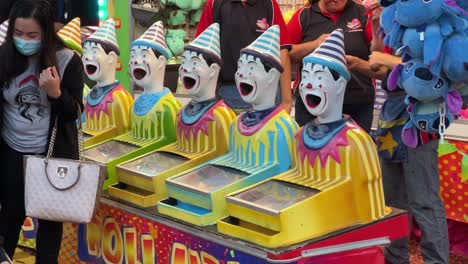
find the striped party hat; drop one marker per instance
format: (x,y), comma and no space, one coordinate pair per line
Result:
(105,35)
(154,38)
(208,43)
(267,47)
(71,35)
(331,54)
(3,31)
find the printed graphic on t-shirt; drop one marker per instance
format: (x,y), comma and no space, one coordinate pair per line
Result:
(262,25)
(29,99)
(354,25)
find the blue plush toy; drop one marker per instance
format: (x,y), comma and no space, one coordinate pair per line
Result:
(424,117)
(421,34)
(386,19)
(455,58)
(418,82)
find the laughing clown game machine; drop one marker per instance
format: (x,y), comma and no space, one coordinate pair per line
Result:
(202,128)
(153,114)
(108,104)
(260,142)
(335,179)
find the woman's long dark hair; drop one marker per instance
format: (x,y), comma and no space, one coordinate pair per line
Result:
(13,63)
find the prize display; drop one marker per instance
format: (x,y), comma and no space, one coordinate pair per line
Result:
(108,104)
(260,141)
(335,179)
(153,113)
(202,128)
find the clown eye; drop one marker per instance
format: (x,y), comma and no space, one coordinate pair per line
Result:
(439,84)
(251,68)
(408,66)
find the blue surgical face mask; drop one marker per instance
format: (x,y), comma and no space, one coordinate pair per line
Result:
(27,47)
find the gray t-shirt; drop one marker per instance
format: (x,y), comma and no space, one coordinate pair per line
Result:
(26,113)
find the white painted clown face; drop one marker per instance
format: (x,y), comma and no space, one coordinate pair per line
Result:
(321,89)
(144,64)
(197,76)
(98,65)
(256,86)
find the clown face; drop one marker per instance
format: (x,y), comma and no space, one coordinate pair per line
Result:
(143,63)
(196,74)
(98,65)
(321,89)
(254,83)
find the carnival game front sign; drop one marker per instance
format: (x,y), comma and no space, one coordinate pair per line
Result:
(115,236)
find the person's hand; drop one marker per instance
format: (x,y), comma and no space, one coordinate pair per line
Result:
(319,40)
(378,59)
(353,62)
(49,80)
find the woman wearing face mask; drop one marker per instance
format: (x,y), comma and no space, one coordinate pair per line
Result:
(41,80)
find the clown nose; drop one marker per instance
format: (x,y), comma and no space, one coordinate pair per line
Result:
(309,86)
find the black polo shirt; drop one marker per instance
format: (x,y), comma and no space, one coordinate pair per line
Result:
(241,24)
(309,22)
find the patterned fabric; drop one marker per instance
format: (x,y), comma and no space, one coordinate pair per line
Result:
(154,38)
(331,53)
(208,41)
(267,47)
(105,35)
(71,35)
(3,31)
(350,155)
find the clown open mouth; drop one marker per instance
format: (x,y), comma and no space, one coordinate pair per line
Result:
(91,69)
(245,89)
(189,82)
(139,73)
(313,100)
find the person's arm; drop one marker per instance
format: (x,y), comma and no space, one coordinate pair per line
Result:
(206,18)
(71,89)
(377,43)
(364,67)
(300,50)
(285,43)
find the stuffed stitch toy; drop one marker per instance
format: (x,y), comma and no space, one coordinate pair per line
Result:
(455,58)
(424,116)
(419,83)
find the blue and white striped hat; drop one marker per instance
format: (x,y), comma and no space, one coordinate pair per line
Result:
(105,35)
(331,54)
(154,38)
(208,43)
(3,31)
(267,47)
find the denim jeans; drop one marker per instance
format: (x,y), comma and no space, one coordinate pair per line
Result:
(413,185)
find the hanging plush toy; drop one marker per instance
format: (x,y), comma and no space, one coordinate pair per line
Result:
(421,34)
(424,117)
(421,85)
(455,58)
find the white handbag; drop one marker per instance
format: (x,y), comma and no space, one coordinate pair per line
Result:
(62,190)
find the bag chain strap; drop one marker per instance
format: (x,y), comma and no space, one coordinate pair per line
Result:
(79,127)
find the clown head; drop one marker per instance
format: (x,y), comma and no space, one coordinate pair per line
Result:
(148,57)
(259,70)
(100,54)
(324,79)
(201,64)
